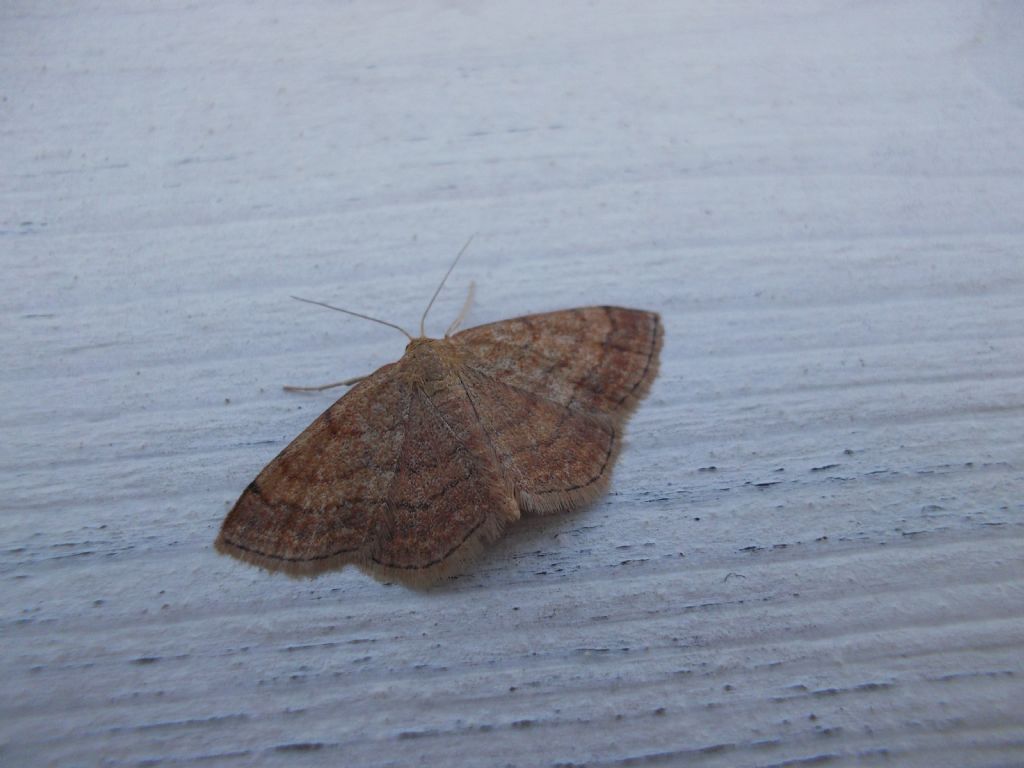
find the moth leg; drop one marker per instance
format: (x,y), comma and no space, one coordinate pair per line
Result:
(322,387)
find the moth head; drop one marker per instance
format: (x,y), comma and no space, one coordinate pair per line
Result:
(415,344)
(429,360)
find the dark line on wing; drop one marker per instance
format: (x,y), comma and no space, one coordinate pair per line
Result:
(516,387)
(529,348)
(329,555)
(580,384)
(441,559)
(437,412)
(627,350)
(650,357)
(612,435)
(591,481)
(529,318)
(342,551)
(568,409)
(465,448)
(528,321)
(289,559)
(422,503)
(600,361)
(479,421)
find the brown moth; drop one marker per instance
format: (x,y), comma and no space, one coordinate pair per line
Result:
(425,461)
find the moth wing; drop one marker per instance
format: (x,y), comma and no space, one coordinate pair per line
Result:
(595,359)
(403,486)
(448,497)
(555,456)
(322,502)
(553,392)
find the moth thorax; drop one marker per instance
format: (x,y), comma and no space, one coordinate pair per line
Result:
(428,361)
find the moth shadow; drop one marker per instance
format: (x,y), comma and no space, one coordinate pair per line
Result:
(520,550)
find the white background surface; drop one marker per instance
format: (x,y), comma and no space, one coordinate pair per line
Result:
(824,201)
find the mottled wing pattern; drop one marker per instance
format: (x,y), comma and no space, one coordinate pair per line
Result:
(553,391)
(321,502)
(556,456)
(399,483)
(424,461)
(599,359)
(448,497)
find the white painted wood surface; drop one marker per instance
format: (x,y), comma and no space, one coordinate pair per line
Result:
(811,554)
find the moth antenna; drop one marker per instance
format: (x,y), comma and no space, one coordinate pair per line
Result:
(462,312)
(322,387)
(356,314)
(423,320)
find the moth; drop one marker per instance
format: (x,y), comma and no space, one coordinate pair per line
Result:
(427,460)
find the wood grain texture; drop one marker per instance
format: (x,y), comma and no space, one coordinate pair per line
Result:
(812,551)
